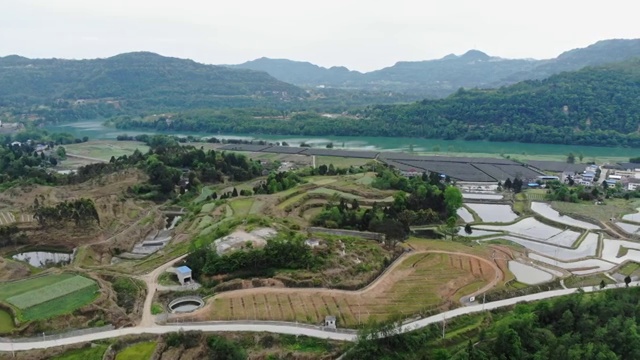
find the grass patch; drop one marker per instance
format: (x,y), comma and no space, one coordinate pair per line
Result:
(168,279)
(94,352)
(137,352)
(629,268)
(105,149)
(156,309)
(341,162)
(241,207)
(6,322)
(622,251)
(592,280)
(612,208)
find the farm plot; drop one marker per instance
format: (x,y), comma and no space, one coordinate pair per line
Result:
(527,274)
(581,267)
(481,196)
(331,192)
(632,217)
(629,228)
(545,210)
(7,218)
(587,247)
(241,207)
(465,215)
(494,212)
(528,228)
(612,251)
(47,296)
(420,282)
(476,233)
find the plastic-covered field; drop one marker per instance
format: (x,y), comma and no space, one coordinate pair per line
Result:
(481,196)
(630,228)
(465,215)
(494,212)
(581,267)
(611,249)
(529,227)
(632,217)
(528,274)
(548,212)
(587,248)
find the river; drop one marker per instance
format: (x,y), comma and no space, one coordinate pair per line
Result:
(96,131)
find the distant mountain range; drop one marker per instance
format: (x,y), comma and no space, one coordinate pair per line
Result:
(442,77)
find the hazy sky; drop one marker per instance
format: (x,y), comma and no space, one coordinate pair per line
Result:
(362,35)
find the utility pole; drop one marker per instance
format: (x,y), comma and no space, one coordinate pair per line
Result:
(444,325)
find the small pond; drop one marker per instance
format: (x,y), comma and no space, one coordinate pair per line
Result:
(42,259)
(6,322)
(186,304)
(527,274)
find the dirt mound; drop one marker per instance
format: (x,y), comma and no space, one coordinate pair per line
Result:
(13,270)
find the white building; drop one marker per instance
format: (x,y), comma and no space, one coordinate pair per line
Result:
(184,275)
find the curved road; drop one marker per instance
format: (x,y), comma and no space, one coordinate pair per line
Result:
(284,328)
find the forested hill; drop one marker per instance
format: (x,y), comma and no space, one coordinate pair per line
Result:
(442,77)
(592,106)
(135,80)
(595,106)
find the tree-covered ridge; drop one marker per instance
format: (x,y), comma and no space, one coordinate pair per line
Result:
(594,106)
(134,80)
(169,165)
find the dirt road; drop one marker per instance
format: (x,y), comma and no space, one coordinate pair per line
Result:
(151,280)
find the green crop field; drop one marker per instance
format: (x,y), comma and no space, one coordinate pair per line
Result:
(94,352)
(137,352)
(50,292)
(10,289)
(47,296)
(241,207)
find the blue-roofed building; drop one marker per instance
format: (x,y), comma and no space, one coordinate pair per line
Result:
(184,275)
(533,185)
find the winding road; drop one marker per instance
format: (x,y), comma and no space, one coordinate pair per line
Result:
(283,328)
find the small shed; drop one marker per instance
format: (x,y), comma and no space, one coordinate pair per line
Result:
(184,275)
(330,321)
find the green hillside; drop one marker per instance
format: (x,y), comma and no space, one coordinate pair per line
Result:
(593,106)
(135,81)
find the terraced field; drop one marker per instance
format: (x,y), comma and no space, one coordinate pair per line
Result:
(420,282)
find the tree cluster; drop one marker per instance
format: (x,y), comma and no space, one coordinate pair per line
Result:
(277,182)
(281,252)
(82,212)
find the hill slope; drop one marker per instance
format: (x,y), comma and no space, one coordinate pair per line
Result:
(135,80)
(442,77)
(592,106)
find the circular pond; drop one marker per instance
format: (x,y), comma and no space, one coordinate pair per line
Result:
(186,304)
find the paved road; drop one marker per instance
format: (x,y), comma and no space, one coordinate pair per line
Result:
(283,328)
